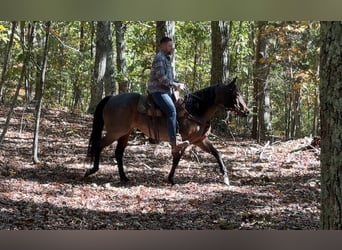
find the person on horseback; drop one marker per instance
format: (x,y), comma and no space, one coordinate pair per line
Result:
(160,86)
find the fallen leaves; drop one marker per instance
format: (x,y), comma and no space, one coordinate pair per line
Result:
(279,190)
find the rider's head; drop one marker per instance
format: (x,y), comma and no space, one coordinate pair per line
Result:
(166,45)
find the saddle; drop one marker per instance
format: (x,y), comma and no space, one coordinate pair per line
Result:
(147,106)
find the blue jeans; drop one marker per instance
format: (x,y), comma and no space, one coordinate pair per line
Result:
(165,103)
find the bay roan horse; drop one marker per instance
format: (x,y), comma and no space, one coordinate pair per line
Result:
(119,115)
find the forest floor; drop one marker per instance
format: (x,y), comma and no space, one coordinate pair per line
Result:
(271,188)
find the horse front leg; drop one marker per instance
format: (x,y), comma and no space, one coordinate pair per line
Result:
(208,147)
(176,156)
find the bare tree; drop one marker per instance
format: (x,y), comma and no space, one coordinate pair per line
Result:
(41,92)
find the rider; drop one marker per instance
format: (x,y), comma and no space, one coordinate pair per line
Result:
(160,86)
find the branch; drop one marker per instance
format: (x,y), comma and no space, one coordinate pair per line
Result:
(54,34)
(314,144)
(263,150)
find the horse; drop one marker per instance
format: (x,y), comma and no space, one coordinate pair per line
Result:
(119,116)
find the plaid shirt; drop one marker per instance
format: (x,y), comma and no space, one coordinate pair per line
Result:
(161,77)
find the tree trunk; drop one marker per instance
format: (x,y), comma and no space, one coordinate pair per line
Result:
(109,78)
(315,115)
(77,89)
(39,42)
(28,84)
(331,125)
(103,77)
(219,52)
(255,94)
(121,76)
(92,38)
(41,93)
(296,114)
(261,86)
(6,60)
(166,28)
(26,60)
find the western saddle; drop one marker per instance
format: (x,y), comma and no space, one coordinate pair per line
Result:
(147,106)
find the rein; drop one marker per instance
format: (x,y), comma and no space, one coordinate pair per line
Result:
(189,116)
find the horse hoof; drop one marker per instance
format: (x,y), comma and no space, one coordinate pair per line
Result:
(171,181)
(226,181)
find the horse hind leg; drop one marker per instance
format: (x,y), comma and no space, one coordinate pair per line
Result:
(106,141)
(95,167)
(119,151)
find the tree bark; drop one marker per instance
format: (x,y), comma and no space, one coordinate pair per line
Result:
(109,77)
(331,124)
(103,77)
(219,52)
(315,115)
(27,54)
(7,60)
(41,93)
(121,65)
(261,86)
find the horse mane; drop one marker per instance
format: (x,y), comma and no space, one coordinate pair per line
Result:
(198,102)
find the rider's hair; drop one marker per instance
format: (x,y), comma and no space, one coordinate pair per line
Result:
(165,39)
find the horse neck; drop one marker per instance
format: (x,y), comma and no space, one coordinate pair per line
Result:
(210,112)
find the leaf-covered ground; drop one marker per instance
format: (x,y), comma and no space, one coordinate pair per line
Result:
(271,188)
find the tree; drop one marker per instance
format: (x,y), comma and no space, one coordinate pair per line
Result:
(7,60)
(76,86)
(219,52)
(193,60)
(41,92)
(292,56)
(121,64)
(261,109)
(103,77)
(331,125)
(26,50)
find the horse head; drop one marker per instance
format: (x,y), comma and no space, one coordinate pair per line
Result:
(230,97)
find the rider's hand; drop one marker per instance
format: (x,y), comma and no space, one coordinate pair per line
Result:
(179,85)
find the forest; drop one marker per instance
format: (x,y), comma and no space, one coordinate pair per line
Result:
(53,74)
(281,84)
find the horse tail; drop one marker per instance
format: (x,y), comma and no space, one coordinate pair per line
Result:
(96,133)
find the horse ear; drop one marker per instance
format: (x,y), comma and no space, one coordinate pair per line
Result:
(233,82)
